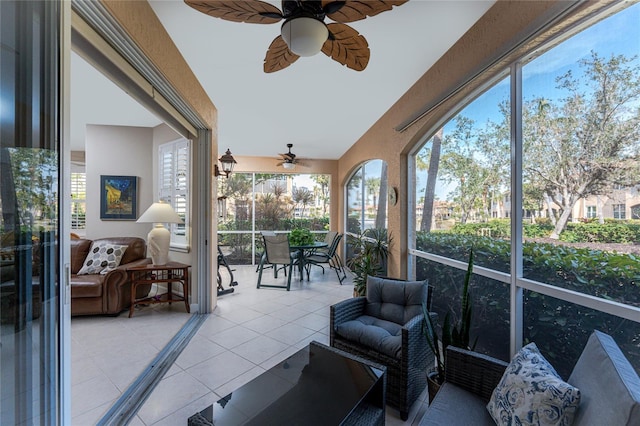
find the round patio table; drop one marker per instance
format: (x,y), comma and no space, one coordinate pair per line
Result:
(301,259)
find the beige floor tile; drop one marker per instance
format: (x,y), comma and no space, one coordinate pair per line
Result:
(170,395)
(288,313)
(199,349)
(313,321)
(220,369)
(234,336)
(90,417)
(92,394)
(290,333)
(259,349)
(264,324)
(181,416)
(241,380)
(250,331)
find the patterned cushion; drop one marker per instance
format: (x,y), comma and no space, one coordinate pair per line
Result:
(102,258)
(532,393)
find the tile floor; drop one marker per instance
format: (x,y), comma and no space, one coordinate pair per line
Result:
(250,331)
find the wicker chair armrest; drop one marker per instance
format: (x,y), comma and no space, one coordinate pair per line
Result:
(344,311)
(474,372)
(347,310)
(413,341)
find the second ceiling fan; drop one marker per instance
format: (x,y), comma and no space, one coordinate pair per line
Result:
(289,160)
(304,32)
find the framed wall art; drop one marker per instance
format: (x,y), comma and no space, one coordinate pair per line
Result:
(118,197)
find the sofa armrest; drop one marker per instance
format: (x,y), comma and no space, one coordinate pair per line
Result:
(116,288)
(474,372)
(344,311)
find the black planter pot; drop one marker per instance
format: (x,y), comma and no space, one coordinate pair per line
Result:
(433,385)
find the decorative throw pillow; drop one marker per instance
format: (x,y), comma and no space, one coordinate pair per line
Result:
(532,393)
(102,258)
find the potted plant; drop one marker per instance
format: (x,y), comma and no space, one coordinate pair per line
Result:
(455,332)
(371,248)
(300,237)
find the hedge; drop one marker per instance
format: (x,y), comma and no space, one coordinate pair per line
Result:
(559,328)
(587,231)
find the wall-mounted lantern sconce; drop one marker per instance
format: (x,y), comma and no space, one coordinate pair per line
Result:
(227,162)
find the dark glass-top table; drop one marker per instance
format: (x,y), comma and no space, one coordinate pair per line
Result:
(301,258)
(318,385)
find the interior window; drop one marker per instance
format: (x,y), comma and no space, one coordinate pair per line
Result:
(174,184)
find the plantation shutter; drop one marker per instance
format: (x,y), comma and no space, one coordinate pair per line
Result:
(173,186)
(78,200)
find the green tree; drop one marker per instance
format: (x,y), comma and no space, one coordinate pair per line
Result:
(432,166)
(372,186)
(323,182)
(587,141)
(461,164)
(303,197)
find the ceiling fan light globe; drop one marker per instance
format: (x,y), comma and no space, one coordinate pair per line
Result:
(289,166)
(304,36)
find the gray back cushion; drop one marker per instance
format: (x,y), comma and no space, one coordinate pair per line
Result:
(394,300)
(609,386)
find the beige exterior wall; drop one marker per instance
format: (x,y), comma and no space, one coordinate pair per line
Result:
(484,51)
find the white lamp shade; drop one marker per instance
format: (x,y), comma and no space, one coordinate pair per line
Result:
(159,238)
(160,212)
(304,36)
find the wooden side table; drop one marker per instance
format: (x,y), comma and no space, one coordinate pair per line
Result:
(172,272)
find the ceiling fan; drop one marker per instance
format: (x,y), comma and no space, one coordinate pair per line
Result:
(289,160)
(304,32)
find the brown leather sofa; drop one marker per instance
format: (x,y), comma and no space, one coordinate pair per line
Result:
(108,294)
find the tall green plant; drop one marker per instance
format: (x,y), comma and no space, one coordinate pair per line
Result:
(456,333)
(371,252)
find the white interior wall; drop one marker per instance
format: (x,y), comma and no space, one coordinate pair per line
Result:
(120,151)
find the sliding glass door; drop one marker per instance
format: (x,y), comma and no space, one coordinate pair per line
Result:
(29,213)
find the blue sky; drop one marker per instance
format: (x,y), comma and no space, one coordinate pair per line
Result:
(618,34)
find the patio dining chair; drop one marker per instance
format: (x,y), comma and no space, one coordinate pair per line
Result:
(270,234)
(329,257)
(277,252)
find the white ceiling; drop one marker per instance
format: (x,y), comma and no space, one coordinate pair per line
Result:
(318,105)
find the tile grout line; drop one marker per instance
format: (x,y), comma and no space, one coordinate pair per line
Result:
(127,406)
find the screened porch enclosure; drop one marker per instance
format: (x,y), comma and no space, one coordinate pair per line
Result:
(249,203)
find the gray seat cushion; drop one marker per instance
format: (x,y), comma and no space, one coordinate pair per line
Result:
(609,386)
(381,335)
(455,406)
(393,300)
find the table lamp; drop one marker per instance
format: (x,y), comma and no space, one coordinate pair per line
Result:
(159,237)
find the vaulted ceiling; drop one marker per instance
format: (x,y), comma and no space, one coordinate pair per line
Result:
(318,105)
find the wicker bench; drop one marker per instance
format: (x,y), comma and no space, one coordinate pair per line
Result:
(608,384)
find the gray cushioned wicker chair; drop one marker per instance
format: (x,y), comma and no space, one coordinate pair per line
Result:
(386,327)
(609,387)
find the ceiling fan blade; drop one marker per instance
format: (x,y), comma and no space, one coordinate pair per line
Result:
(250,11)
(278,57)
(355,10)
(288,157)
(346,46)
